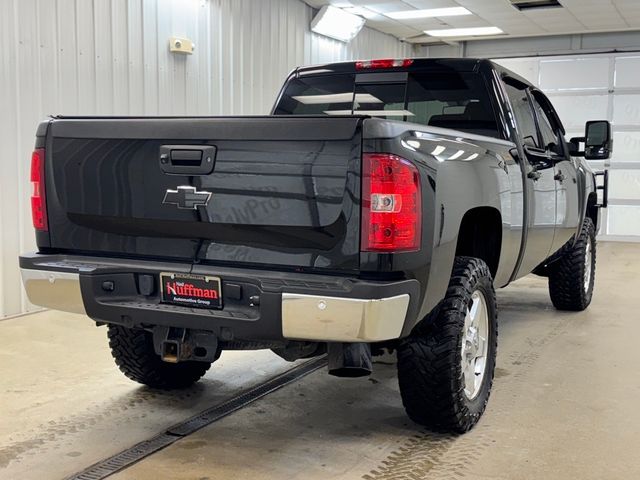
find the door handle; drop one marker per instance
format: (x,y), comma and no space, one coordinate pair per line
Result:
(534,175)
(559,177)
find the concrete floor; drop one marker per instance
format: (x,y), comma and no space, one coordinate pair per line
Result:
(564,404)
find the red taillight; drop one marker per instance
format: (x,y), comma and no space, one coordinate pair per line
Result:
(391,204)
(38,203)
(383,63)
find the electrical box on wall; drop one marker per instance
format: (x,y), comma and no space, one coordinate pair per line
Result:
(181,45)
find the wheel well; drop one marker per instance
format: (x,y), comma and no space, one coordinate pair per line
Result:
(481,236)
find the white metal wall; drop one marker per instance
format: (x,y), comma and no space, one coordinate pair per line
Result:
(598,87)
(107,57)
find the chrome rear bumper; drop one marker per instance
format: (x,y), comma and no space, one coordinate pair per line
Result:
(56,290)
(313,317)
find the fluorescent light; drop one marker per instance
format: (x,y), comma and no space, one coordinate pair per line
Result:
(438,150)
(336,23)
(363,12)
(336,98)
(429,13)
(458,154)
(372,113)
(464,32)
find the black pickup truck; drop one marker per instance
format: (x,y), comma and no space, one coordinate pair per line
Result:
(377,207)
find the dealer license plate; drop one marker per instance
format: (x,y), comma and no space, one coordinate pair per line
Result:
(191,290)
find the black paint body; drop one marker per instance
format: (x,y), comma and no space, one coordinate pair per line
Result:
(286,201)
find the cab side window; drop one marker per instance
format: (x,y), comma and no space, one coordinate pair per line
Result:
(523,111)
(549,136)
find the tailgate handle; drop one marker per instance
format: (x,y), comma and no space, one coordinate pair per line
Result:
(187,159)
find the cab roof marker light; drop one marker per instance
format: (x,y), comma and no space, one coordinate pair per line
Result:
(335,23)
(382,63)
(429,13)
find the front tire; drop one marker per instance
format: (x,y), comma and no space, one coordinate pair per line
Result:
(446,366)
(134,354)
(571,278)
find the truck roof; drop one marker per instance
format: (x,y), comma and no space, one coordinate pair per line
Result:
(416,64)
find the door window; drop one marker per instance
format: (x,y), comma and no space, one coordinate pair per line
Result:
(525,119)
(548,133)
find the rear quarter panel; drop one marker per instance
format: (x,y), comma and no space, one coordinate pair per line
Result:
(459,172)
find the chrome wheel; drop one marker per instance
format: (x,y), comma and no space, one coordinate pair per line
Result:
(475,344)
(588,259)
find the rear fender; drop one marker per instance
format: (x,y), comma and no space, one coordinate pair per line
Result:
(469,173)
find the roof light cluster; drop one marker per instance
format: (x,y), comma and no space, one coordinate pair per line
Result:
(383,63)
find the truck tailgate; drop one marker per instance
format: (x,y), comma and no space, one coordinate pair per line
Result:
(284,190)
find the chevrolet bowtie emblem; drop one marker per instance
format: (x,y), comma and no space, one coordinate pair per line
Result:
(186,197)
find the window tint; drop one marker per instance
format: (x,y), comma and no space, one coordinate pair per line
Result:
(317,95)
(548,134)
(524,115)
(380,100)
(457,100)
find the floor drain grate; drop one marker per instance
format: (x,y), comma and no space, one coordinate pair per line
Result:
(134,454)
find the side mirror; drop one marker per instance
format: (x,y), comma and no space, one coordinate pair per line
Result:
(598,143)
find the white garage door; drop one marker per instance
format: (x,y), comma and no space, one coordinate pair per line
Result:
(595,87)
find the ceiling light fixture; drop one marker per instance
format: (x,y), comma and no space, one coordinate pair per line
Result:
(335,23)
(429,13)
(361,11)
(535,4)
(464,32)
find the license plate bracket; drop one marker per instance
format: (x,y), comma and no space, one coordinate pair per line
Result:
(200,291)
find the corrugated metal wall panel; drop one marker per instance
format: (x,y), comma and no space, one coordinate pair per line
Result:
(111,57)
(9,236)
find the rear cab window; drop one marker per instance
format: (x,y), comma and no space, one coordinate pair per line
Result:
(452,99)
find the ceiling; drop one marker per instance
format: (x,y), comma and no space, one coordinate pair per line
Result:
(575,16)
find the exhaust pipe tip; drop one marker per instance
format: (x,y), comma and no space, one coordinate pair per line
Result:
(349,360)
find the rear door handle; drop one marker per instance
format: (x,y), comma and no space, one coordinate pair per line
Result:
(559,177)
(187,159)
